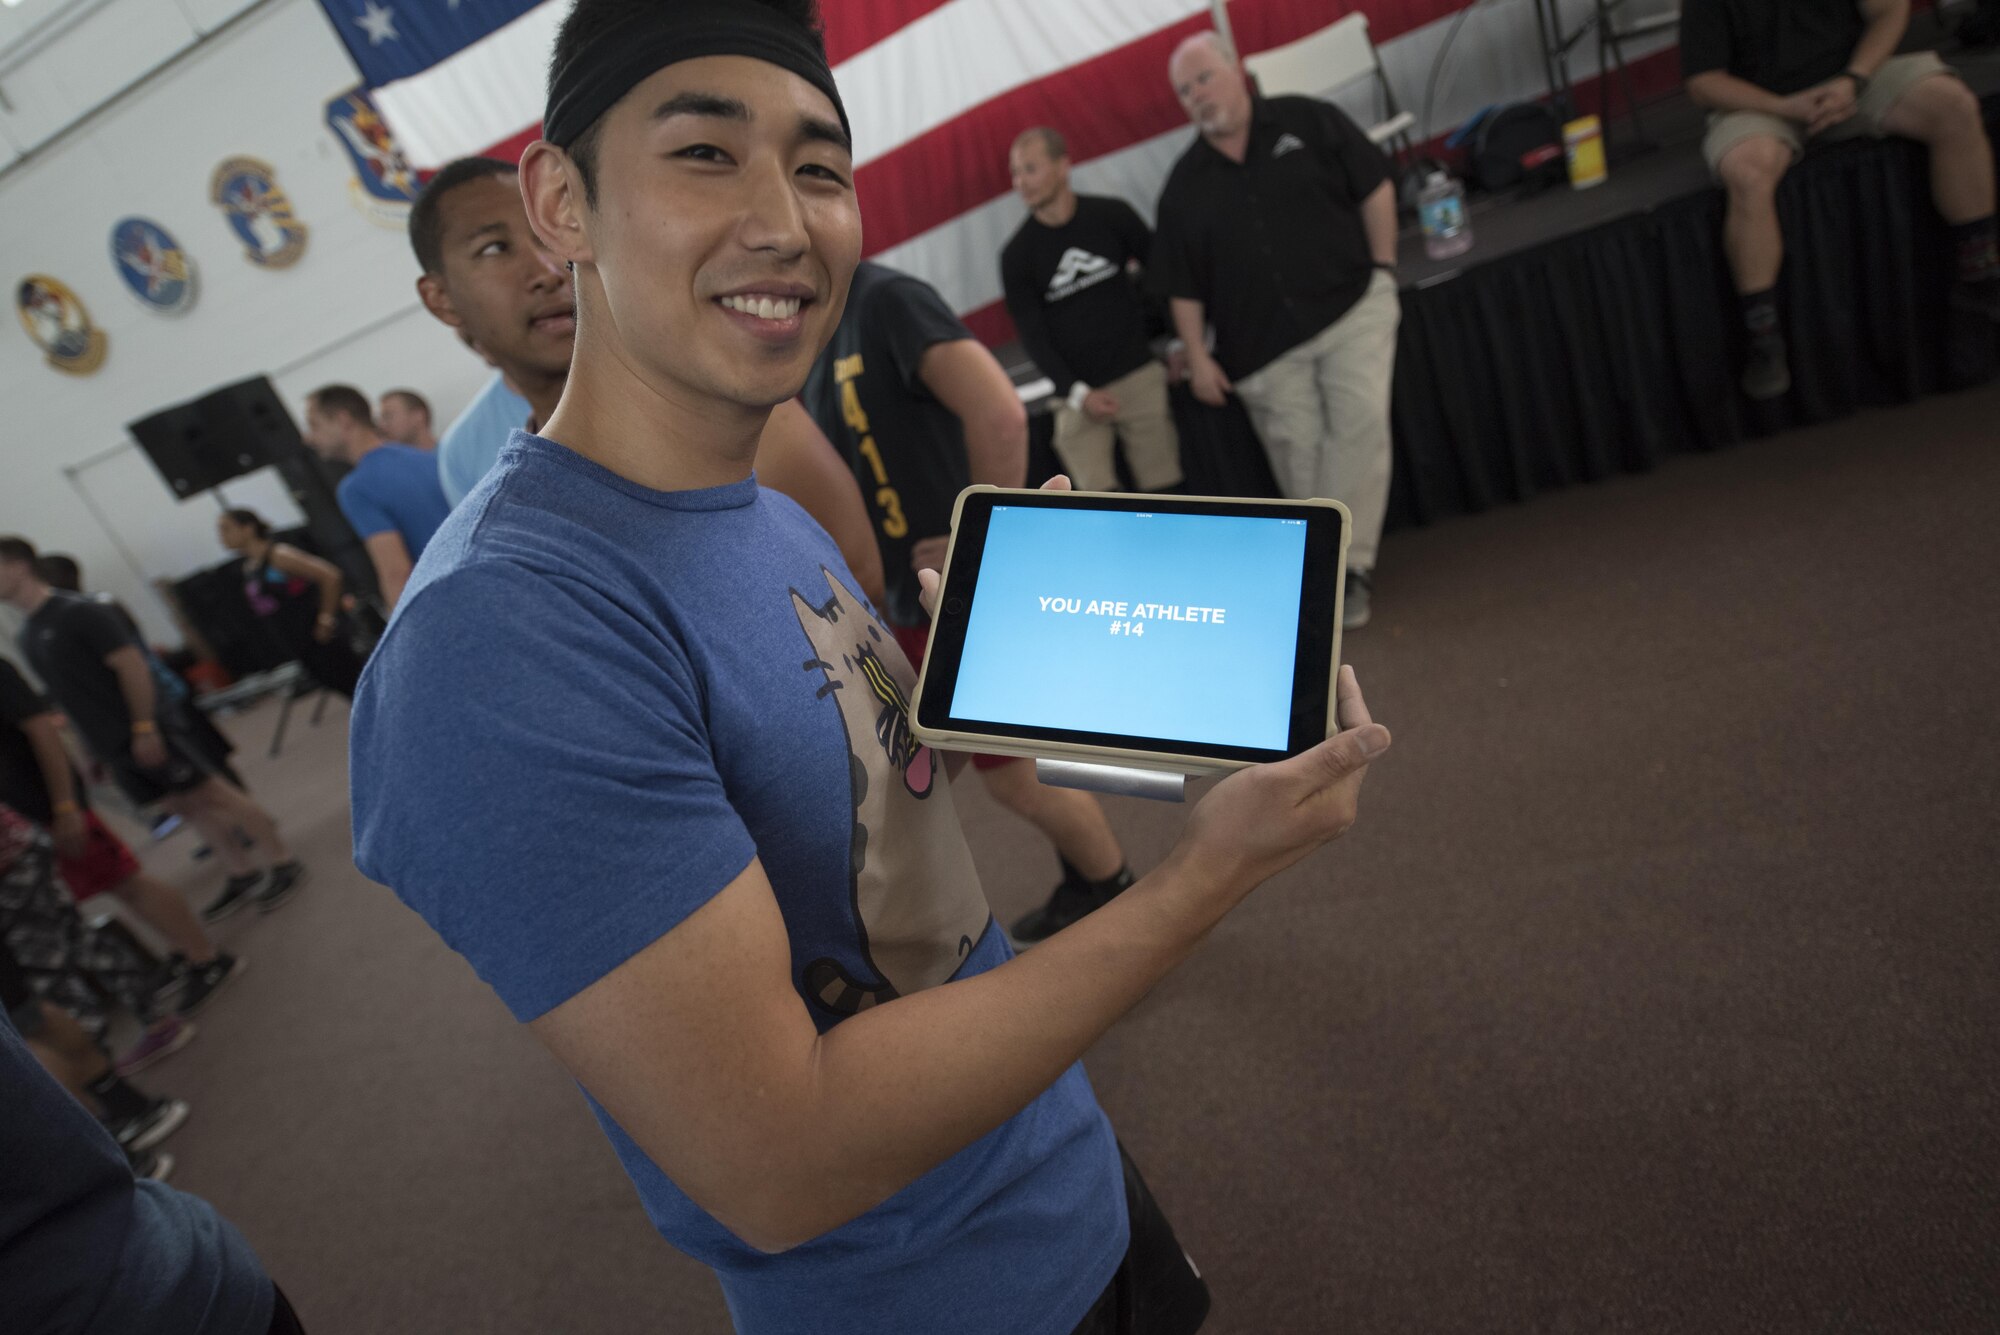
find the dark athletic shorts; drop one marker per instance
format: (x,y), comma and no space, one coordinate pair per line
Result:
(914,639)
(23,1007)
(105,864)
(1156,1290)
(191,762)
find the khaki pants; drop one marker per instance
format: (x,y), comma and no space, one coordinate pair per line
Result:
(1152,447)
(1898,75)
(1322,411)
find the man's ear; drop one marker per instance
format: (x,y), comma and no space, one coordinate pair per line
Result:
(431,291)
(552,192)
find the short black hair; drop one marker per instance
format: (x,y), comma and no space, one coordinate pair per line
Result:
(249,519)
(426,228)
(411,399)
(345,400)
(1051,138)
(60,570)
(18,549)
(590,19)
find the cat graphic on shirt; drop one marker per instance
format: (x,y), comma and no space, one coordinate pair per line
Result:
(916,898)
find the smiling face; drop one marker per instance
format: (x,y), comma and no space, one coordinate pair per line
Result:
(499,285)
(717,256)
(1212,88)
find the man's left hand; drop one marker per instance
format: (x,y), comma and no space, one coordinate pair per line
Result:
(1833,102)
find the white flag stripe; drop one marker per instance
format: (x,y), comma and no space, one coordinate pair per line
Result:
(476,97)
(961,258)
(970,51)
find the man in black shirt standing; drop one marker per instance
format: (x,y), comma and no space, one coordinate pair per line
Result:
(1773,76)
(922,410)
(1067,273)
(95,669)
(1278,228)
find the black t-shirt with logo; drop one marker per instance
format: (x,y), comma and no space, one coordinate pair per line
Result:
(1079,314)
(21,784)
(906,448)
(66,642)
(1783,48)
(1274,246)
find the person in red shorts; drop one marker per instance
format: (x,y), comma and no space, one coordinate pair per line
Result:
(37,779)
(922,410)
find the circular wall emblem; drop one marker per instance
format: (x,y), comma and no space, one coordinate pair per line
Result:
(153,265)
(247,191)
(55,318)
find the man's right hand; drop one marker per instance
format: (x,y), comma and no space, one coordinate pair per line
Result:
(1100,405)
(1206,378)
(1261,820)
(69,832)
(148,751)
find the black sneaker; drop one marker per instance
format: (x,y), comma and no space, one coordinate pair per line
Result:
(1354,600)
(1072,901)
(285,878)
(155,1164)
(204,979)
(141,1131)
(1766,372)
(170,982)
(1981,298)
(235,891)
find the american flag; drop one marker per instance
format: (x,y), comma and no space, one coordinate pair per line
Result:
(936,89)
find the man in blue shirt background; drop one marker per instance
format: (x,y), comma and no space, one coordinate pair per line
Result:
(392,498)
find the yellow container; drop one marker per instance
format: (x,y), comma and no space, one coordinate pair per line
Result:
(1583,145)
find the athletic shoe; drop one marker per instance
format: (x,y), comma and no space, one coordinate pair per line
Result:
(204,979)
(161,1041)
(285,878)
(141,1131)
(1071,901)
(1766,372)
(1354,602)
(171,982)
(234,891)
(155,1164)
(1981,298)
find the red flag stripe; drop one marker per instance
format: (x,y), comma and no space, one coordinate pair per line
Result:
(1101,106)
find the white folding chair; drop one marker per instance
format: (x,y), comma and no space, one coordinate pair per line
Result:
(1330,59)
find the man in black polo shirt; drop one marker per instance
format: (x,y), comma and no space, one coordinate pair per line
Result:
(1278,227)
(1775,75)
(1067,272)
(922,410)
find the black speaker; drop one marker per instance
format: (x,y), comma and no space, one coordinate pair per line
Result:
(234,430)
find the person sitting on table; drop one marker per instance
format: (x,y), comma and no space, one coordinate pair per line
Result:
(1775,75)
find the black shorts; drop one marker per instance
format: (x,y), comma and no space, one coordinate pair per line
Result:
(1156,1290)
(192,760)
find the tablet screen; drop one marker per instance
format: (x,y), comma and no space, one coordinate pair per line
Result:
(1151,622)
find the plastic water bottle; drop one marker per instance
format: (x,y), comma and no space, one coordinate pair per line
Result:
(1441,213)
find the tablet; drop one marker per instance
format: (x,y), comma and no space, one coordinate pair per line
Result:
(1179,633)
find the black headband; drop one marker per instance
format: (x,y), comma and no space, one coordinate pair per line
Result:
(623,55)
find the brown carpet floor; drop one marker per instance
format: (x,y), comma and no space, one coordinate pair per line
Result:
(1656,990)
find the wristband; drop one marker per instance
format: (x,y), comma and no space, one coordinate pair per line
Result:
(1077,394)
(1860,80)
(144,726)
(65,808)
(1386,266)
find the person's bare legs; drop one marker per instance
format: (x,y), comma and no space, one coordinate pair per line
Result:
(161,908)
(1073,821)
(1751,238)
(66,1052)
(219,809)
(1942,113)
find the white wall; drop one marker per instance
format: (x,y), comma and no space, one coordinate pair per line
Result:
(347,311)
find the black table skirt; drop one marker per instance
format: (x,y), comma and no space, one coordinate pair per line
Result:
(1606,351)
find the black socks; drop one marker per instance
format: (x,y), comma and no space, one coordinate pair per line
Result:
(1760,312)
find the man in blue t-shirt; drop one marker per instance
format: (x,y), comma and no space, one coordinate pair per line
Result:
(392,497)
(471,444)
(636,747)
